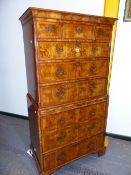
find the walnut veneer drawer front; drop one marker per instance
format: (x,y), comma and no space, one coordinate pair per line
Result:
(49,72)
(103,33)
(68,50)
(63,119)
(70,92)
(78,31)
(64,155)
(58,138)
(48,30)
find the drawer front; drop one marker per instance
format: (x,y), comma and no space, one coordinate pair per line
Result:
(68,118)
(49,72)
(103,33)
(70,92)
(68,50)
(48,29)
(64,155)
(78,31)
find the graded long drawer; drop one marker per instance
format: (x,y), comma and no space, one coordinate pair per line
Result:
(68,50)
(57,71)
(64,155)
(64,119)
(69,92)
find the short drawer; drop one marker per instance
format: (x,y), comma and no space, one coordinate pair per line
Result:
(103,33)
(68,50)
(82,114)
(64,155)
(48,29)
(78,31)
(50,72)
(69,92)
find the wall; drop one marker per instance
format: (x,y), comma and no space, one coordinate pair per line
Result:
(119,117)
(12,65)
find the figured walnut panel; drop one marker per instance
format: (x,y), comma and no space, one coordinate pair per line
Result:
(63,119)
(50,72)
(78,31)
(68,50)
(103,33)
(70,92)
(48,30)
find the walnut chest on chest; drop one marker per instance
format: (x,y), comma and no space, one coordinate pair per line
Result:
(67,61)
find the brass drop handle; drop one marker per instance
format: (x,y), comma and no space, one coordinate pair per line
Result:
(90,145)
(93,68)
(61,138)
(59,50)
(78,30)
(77,63)
(92,87)
(60,93)
(77,125)
(78,43)
(102,33)
(61,120)
(94,49)
(49,29)
(59,71)
(61,157)
(91,128)
(92,112)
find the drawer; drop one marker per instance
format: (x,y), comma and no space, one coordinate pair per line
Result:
(48,29)
(68,118)
(70,92)
(75,31)
(103,33)
(49,72)
(55,139)
(64,155)
(68,50)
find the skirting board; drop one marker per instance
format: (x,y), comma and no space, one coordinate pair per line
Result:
(117,136)
(14,115)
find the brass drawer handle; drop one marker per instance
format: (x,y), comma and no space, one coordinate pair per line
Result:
(59,71)
(93,68)
(91,128)
(59,50)
(60,93)
(92,87)
(92,112)
(102,33)
(78,30)
(61,138)
(94,49)
(77,63)
(90,145)
(78,43)
(49,29)
(61,157)
(77,125)
(61,120)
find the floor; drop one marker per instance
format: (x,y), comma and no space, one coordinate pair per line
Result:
(14,141)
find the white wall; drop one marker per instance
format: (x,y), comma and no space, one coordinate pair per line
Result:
(12,65)
(119,118)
